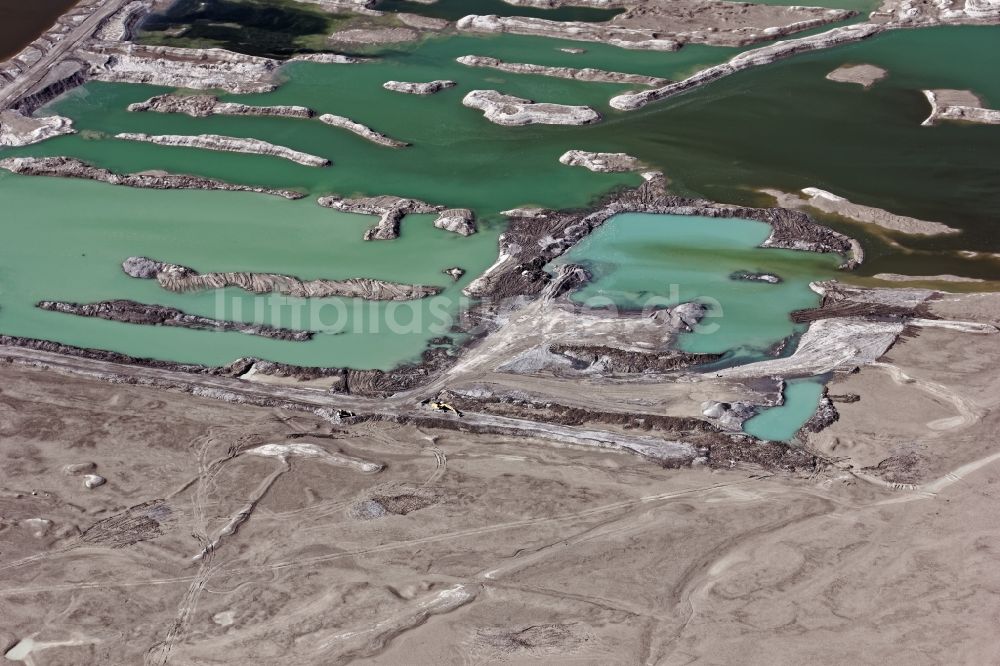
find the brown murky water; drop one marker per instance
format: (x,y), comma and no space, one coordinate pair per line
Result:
(24,20)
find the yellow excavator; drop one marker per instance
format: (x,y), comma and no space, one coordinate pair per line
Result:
(442,406)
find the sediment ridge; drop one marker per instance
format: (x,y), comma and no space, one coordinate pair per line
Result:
(837,205)
(70,167)
(181,278)
(606,359)
(131,312)
(513,111)
(754,58)
(202,106)
(228,144)
(363,131)
(390,209)
(585,74)
(328,58)
(428,88)
(947,277)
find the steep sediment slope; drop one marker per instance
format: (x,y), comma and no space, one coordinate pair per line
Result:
(202,69)
(229,144)
(69,167)
(585,74)
(755,58)
(17,129)
(131,312)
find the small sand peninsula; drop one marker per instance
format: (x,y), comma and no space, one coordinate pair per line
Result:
(959,106)
(836,205)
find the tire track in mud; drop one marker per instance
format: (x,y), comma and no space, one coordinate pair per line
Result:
(159,653)
(487,529)
(931,489)
(968,412)
(406,543)
(373,638)
(440,465)
(609,528)
(695,583)
(204,483)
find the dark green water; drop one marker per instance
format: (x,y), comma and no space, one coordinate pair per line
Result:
(24,20)
(780,126)
(785,125)
(281,28)
(270,28)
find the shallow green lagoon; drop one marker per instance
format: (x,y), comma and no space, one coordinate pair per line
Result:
(65,240)
(642,261)
(779,126)
(779,424)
